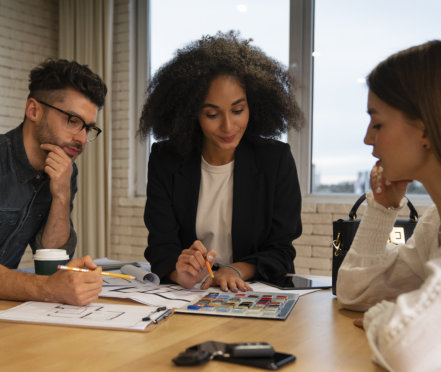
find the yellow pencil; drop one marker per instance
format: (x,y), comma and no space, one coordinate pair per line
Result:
(209,268)
(80,269)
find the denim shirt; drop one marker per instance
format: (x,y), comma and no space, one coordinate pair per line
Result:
(25,201)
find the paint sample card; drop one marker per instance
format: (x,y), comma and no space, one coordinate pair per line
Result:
(262,305)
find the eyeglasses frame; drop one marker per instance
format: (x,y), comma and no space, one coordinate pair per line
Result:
(69,116)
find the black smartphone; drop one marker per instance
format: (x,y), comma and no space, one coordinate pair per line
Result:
(275,362)
(293,281)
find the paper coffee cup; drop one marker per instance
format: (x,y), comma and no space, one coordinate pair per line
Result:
(46,261)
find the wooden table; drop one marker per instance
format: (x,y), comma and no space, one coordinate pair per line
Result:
(318,332)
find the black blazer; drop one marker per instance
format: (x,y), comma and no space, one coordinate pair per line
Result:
(266,207)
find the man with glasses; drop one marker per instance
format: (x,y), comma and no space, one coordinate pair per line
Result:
(38,181)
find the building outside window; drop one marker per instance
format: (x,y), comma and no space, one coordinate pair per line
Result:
(350,39)
(331,44)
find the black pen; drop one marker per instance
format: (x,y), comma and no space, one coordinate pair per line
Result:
(162,316)
(147,318)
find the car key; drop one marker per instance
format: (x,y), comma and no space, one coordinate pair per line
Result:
(249,350)
(192,357)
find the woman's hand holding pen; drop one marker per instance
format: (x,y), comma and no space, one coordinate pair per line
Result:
(191,267)
(387,193)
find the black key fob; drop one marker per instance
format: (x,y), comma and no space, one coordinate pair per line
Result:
(192,357)
(249,350)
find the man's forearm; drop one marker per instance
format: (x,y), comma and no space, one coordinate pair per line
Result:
(21,286)
(57,229)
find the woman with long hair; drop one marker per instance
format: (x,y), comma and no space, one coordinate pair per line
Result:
(400,284)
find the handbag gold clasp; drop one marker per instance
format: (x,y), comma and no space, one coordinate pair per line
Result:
(336,244)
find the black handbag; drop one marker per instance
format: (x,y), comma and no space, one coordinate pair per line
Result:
(344,232)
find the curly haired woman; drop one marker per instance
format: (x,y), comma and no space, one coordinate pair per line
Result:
(220,187)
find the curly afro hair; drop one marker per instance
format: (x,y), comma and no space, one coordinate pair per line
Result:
(178,89)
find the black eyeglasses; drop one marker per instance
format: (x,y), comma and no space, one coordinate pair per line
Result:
(75,124)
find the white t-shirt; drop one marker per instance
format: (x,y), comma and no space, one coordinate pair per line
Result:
(215,210)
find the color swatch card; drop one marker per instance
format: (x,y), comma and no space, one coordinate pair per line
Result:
(263,305)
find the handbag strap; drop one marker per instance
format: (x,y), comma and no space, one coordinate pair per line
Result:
(413,215)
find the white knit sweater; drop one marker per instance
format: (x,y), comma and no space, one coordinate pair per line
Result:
(403,282)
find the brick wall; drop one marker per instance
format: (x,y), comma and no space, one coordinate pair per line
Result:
(128,235)
(28,35)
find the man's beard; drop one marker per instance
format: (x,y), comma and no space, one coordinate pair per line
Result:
(46,135)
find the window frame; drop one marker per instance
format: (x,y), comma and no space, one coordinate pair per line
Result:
(140,65)
(301,64)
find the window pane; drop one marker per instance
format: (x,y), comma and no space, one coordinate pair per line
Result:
(175,23)
(350,39)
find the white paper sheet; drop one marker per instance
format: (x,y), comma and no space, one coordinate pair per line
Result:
(169,295)
(98,315)
(262,287)
(140,270)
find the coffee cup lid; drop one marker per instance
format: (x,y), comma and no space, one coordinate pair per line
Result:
(51,254)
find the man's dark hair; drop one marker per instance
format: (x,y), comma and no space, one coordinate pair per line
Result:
(52,75)
(177,91)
